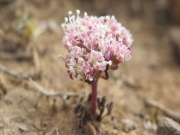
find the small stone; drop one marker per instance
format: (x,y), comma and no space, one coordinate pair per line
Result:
(167,126)
(128,125)
(23,126)
(8,127)
(53,26)
(131,82)
(119,83)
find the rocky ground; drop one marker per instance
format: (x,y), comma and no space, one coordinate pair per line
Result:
(143,90)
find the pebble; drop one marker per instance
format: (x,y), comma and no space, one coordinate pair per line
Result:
(128,125)
(23,126)
(7,127)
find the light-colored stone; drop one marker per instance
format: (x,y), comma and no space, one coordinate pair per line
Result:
(7,127)
(167,126)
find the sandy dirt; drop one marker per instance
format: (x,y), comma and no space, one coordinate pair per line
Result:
(151,73)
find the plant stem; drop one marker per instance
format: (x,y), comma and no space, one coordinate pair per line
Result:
(94,97)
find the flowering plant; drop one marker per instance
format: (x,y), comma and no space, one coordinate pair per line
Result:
(95,45)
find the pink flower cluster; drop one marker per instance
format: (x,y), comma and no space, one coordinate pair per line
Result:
(93,43)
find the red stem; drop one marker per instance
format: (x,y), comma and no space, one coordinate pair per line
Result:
(94,97)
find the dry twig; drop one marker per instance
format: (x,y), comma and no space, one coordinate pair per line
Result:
(36,59)
(64,96)
(14,74)
(40,89)
(170,113)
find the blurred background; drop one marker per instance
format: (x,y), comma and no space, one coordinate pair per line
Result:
(30,41)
